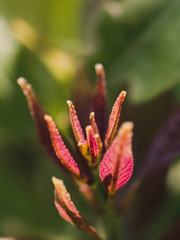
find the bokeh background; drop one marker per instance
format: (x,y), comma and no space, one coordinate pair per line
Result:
(55,45)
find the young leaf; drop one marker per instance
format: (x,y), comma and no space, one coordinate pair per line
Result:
(99,105)
(60,149)
(38,115)
(117,164)
(77,130)
(93,123)
(96,131)
(61,210)
(114,119)
(93,145)
(68,210)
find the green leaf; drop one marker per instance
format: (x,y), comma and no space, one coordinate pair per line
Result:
(9,49)
(58,18)
(143,47)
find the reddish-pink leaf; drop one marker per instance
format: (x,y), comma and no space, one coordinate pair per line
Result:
(93,145)
(38,115)
(60,149)
(96,131)
(70,213)
(77,130)
(99,105)
(114,119)
(61,210)
(117,164)
(93,123)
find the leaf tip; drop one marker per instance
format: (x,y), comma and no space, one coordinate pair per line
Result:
(22,82)
(69,103)
(88,128)
(56,181)
(48,118)
(123,94)
(25,86)
(126,126)
(99,68)
(92,115)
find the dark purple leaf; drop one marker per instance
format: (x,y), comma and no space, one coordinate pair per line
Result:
(38,115)
(99,105)
(165,148)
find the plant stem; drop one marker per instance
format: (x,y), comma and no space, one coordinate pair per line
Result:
(111,221)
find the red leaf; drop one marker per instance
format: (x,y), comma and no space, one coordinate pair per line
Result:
(70,213)
(114,119)
(77,130)
(38,115)
(117,164)
(61,210)
(93,145)
(99,105)
(60,149)
(96,131)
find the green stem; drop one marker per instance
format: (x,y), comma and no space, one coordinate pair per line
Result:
(99,189)
(111,221)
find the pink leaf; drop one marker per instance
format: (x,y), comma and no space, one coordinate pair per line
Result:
(93,145)
(114,119)
(60,149)
(68,210)
(61,210)
(96,131)
(93,123)
(77,130)
(117,164)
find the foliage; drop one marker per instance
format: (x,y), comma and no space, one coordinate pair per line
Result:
(55,45)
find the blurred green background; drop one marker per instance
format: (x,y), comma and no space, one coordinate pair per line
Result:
(47,42)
